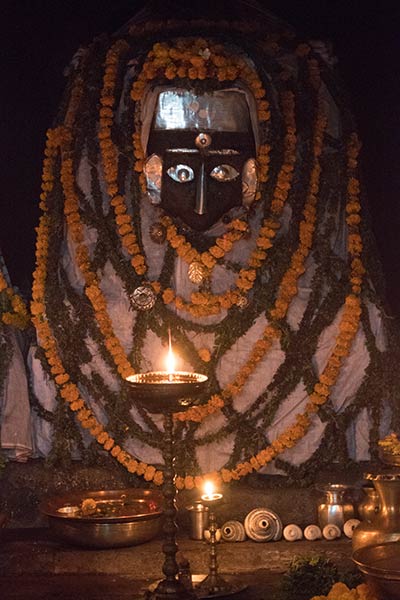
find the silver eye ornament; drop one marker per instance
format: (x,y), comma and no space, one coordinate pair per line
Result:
(181,173)
(224,173)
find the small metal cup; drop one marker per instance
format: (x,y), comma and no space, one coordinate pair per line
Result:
(198,520)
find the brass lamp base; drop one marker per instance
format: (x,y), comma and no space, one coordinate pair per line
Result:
(161,392)
(218,587)
(204,589)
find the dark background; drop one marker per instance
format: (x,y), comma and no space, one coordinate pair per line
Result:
(39,37)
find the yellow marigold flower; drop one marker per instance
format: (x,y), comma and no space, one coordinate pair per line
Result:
(62,378)
(205,354)
(208,260)
(102,437)
(168,295)
(171,72)
(254,463)
(317,399)
(264,243)
(321,389)
(37,308)
(141,468)
(199,298)
(149,473)
(182,71)
(132,465)
(226,475)
(137,260)
(216,251)
(158,478)
(109,443)
(199,481)
(77,405)
(179,303)
(96,429)
(216,401)
(189,482)
(179,483)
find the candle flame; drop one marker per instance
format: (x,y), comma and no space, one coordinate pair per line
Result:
(170,362)
(208,488)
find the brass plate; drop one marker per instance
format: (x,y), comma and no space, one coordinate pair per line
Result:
(113,505)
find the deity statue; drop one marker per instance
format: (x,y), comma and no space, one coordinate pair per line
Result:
(201,180)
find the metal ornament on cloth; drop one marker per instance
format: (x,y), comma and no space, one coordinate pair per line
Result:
(158,233)
(263,525)
(143,298)
(242,302)
(197,272)
(233,531)
(153,172)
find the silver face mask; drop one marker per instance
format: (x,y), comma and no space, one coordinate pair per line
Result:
(202,150)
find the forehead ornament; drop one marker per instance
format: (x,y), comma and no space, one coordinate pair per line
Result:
(203,140)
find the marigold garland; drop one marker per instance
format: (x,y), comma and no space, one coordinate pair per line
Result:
(68,390)
(349,323)
(183,61)
(205,301)
(348,327)
(18,315)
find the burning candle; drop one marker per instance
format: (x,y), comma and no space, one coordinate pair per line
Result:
(170,361)
(209,494)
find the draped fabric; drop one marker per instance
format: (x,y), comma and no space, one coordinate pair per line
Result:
(279,385)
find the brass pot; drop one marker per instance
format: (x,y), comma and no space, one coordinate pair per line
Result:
(385,525)
(120,518)
(335,509)
(380,565)
(369,506)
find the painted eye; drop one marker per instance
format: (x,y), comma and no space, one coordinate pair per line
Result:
(181,173)
(224,173)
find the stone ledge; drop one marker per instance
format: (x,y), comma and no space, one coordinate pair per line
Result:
(23,485)
(37,552)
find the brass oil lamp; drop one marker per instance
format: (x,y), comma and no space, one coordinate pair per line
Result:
(165,392)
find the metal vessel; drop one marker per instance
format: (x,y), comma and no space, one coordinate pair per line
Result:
(335,509)
(119,518)
(385,526)
(380,565)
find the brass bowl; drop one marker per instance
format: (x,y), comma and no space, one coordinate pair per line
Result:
(125,517)
(380,565)
(158,391)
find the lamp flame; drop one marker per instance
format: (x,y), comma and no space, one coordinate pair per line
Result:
(208,488)
(170,361)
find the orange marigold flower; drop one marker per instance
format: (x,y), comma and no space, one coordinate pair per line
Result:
(205,354)
(149,473)
(179,483)
(62,378)
(189,482)
(168,295)
(158,478)
(109,443)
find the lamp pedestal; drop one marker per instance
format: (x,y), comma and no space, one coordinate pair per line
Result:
(166,393)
